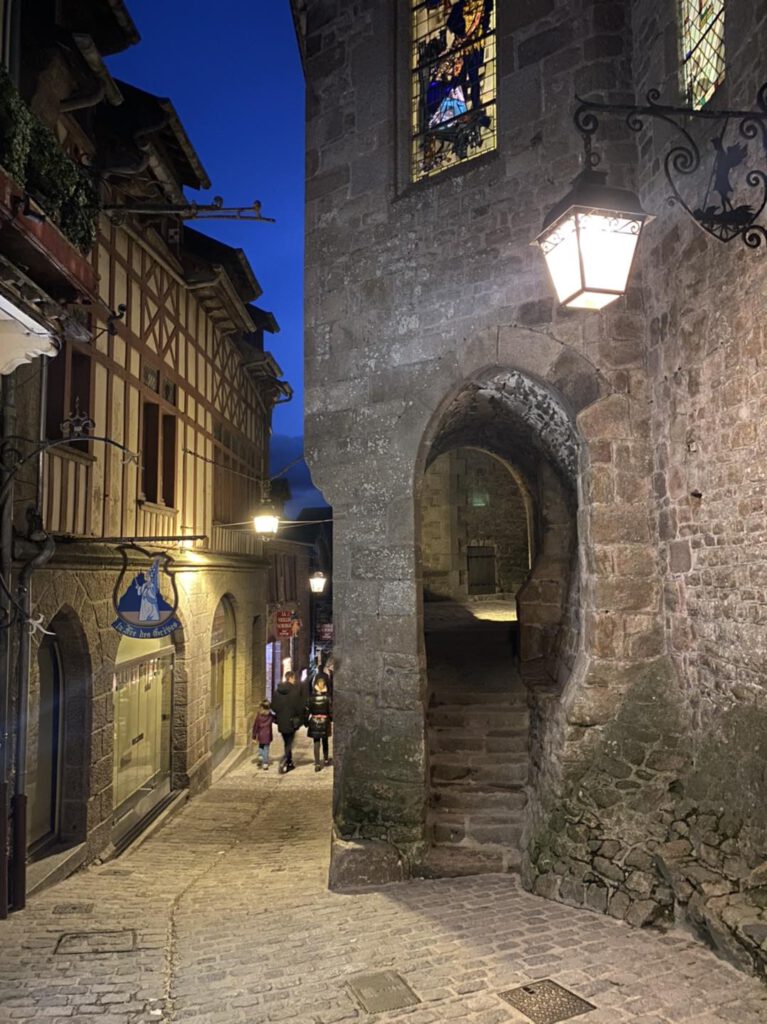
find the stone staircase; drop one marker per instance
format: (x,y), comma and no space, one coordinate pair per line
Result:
(477,726)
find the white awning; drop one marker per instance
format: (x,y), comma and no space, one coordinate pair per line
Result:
(22,339)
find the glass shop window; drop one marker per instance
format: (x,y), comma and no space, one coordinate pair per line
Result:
(142,725)
(453,92)
(702,23)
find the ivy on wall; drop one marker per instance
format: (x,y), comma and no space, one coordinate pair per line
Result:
(33,157)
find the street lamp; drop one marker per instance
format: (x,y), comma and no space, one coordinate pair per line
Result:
(266,520)
(317,582)
(589,239)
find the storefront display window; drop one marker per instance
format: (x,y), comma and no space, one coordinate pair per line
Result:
(143,684)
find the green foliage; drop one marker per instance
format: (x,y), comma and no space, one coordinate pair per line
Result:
(32,155)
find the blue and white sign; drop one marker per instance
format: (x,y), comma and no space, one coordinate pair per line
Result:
(143,612)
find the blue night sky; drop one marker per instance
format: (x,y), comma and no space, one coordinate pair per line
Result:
(233,73)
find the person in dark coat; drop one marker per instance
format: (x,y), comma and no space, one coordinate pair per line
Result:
(288,711)
(319,712)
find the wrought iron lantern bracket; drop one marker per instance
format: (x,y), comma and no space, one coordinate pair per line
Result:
(735,195)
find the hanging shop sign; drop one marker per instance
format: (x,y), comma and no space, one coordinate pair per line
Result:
(146,604)
(283,623)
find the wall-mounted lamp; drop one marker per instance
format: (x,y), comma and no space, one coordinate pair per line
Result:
(589,238)
(317,582)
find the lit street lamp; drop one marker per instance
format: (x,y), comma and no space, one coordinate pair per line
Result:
(266,520)
(317,582)
(589,239)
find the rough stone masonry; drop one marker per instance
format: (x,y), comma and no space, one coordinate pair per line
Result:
(640,432)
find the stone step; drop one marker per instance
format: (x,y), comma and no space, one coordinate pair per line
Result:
(486,719)
(461,861)
(450,831)
(505,773)
(502,697)
(468,800)
(456,742)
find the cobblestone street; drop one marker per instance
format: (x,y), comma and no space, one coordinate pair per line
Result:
(223,916)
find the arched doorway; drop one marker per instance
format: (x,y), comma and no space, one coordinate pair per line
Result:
(497,543)
(47,753)
(58,750)
(143,696)
(223,648)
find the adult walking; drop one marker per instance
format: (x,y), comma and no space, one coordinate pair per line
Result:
(288,710)
(320,720)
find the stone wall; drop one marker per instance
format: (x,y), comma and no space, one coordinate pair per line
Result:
(648,706)
(75,594)
(468,499)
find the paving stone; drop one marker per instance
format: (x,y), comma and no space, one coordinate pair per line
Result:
(244,930)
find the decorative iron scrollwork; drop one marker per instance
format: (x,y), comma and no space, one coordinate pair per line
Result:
(735,195)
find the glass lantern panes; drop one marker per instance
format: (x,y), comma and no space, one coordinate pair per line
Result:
(453,84)
(702,49)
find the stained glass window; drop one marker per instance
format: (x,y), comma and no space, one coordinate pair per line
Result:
(454,75)
(702,49)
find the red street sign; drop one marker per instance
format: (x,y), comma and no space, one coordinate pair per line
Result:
(284,624)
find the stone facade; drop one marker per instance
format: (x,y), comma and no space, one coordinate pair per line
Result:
(639,434)
(471,499)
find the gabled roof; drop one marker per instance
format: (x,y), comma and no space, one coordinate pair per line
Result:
(154,118)
(263,319)
(106,21)
(204,249)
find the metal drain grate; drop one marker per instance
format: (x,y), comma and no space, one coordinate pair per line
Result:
(96,942)
(384,990)
(545,1002)
(73,908)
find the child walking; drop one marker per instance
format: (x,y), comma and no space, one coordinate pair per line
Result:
(262,732)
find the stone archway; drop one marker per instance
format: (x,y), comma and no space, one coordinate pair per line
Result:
(479,664)
(61,684)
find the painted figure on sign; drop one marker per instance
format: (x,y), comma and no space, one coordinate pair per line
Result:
(149,591)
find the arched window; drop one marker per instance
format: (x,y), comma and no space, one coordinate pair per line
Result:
(143,685)
(223,644)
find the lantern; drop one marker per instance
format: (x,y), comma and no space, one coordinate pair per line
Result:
(589,239)
(266,520)
(317,582)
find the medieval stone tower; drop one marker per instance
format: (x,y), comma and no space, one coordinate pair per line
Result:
(550,536)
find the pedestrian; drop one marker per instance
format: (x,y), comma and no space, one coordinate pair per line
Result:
(320,720)
(262,732)
(289,715)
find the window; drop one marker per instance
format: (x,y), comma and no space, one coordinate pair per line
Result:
(702,49)
(453,83)
(283,579)
(69,390)
(158,456)
(236,485)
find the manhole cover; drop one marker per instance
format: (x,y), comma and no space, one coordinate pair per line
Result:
(545,1002)
(97,942)
(384,990)
(73,908)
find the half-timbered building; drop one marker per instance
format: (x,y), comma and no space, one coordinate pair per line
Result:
(154,416)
